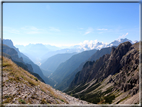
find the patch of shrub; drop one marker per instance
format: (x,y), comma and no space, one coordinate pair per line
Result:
(80,88)
(122,99)
(22,101)
(7,96)
(92,88)
(108,90)
(62,100)
(109,98)
(92,98)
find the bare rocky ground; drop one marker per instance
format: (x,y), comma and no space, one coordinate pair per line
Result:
(20,87)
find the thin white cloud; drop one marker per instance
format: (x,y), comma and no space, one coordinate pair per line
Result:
(100,32)
(123,36)
(102,29)
(89,30)
(31,30)
(10,30)
(54,29)
(15,31)
(34,28)
(81,28)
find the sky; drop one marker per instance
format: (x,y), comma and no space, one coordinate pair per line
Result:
(66,24)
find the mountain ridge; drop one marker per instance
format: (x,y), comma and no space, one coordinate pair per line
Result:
(49,50)
(115,81)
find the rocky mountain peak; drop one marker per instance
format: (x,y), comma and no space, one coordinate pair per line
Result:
(88,63)
(113,49)
(117,53)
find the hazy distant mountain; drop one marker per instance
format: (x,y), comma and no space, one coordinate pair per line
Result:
(67,67)
(52,48)
(33,47)
(20,47)
(38,46)
(53,62)
(61,51)
(34,51)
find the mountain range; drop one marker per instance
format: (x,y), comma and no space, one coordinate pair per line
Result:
(113,78)
(39,53)
(97,73)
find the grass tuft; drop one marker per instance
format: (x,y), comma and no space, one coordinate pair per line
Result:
(36,79)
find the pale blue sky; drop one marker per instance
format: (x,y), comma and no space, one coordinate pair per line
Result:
(69,23)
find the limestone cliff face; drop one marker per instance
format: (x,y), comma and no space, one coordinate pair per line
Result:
(21,87)
(110,76)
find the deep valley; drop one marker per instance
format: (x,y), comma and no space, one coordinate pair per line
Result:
(109,75)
